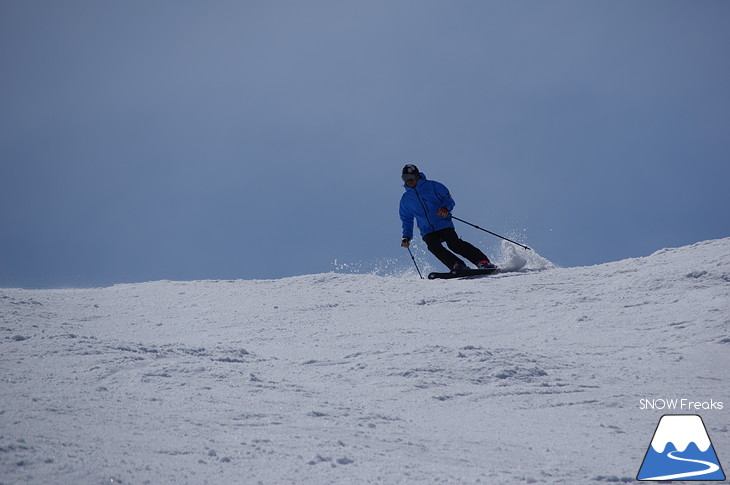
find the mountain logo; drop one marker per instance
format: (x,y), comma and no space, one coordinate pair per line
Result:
(680,450)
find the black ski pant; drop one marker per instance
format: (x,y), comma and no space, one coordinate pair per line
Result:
(435,240)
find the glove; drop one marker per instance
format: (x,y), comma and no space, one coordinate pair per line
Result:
(405,242)
(442,212)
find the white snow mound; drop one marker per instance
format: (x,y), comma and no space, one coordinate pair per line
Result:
(524,377)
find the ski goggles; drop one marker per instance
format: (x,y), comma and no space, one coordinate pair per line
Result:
(409,176)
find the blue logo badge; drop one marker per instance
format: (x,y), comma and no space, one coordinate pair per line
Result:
(681,450)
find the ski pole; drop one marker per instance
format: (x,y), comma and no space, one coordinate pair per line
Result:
(490,232)
(414,262)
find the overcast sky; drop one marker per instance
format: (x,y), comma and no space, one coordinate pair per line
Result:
(145,140)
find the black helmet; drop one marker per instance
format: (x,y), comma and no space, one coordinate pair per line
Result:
(410,172)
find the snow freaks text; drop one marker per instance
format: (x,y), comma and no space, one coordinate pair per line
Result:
(678,404)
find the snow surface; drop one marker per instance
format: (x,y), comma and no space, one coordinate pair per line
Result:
(526,377)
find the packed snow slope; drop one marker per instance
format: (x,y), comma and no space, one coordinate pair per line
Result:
(522,377)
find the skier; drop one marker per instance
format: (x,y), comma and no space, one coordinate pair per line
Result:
(430,203)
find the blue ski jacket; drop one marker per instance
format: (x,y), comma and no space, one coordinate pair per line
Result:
(422,202)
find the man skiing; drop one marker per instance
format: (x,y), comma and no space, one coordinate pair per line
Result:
(430,203)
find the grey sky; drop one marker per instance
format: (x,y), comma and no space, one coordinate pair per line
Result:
(146,140)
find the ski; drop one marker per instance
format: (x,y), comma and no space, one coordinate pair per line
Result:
(463,273)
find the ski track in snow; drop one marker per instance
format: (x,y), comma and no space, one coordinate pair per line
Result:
(526,377)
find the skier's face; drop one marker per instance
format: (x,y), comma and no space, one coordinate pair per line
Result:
(412,182)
